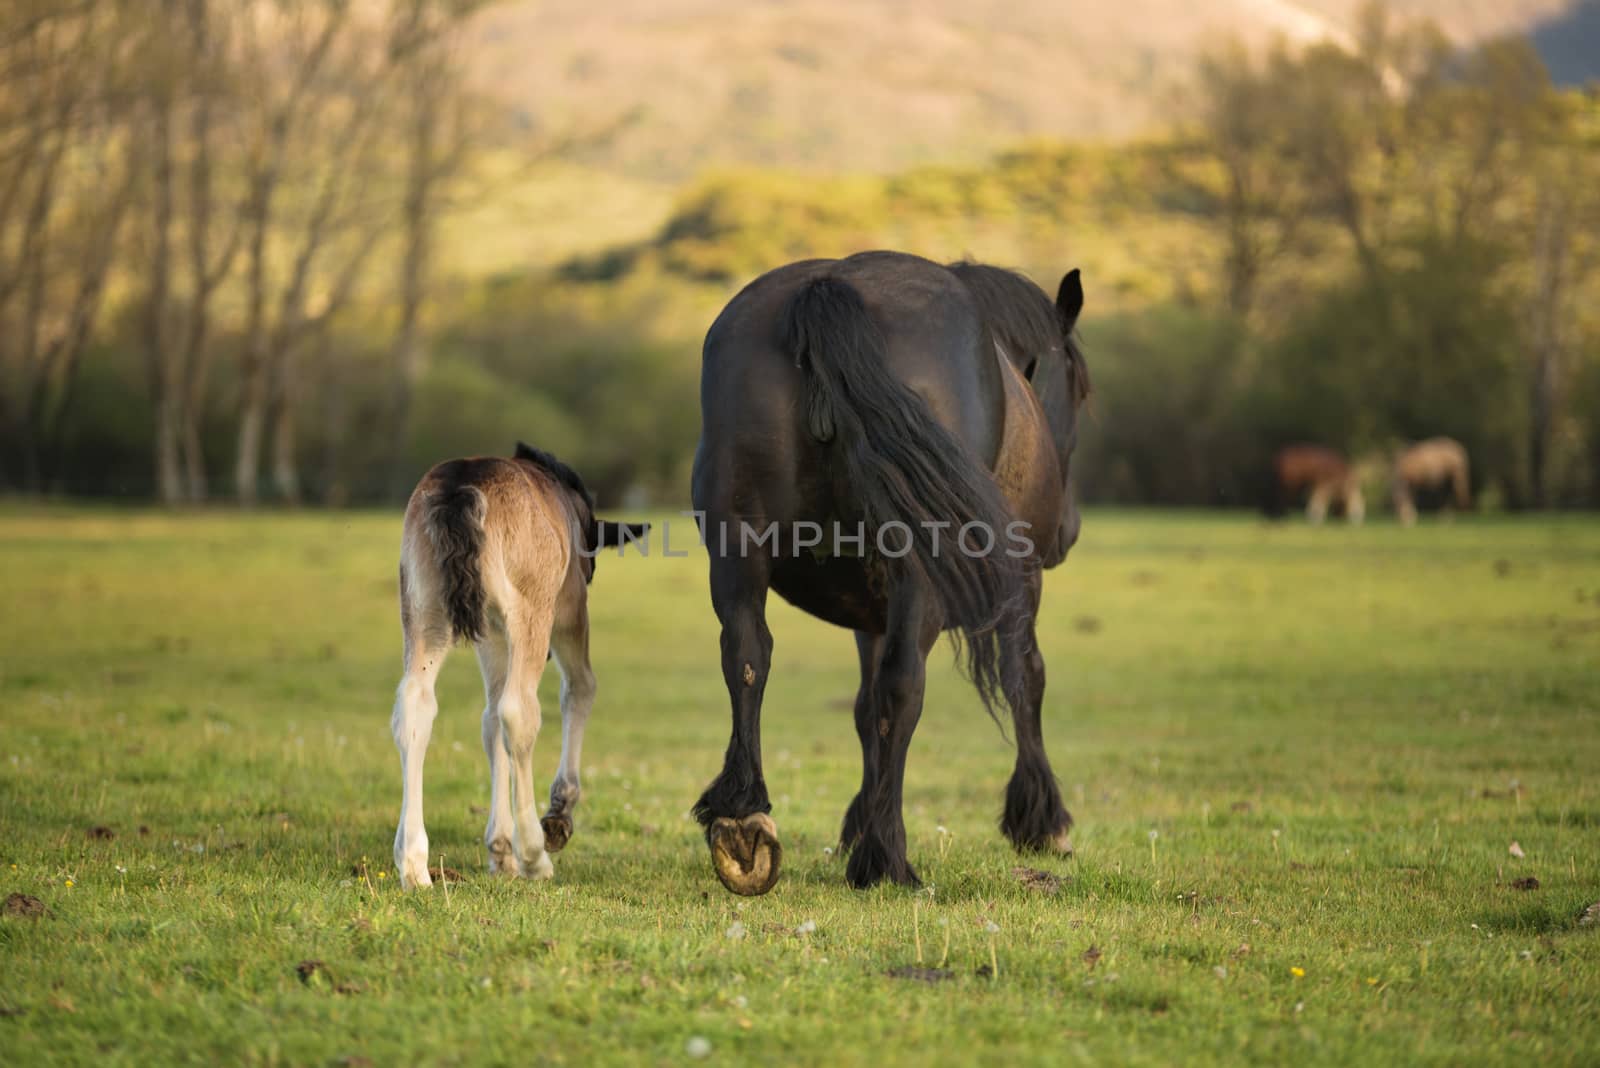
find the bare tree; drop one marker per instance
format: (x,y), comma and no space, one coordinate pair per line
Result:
(1259,198)
(63,137)
(424,36)
(1564,247)
(209,260)
(307,34)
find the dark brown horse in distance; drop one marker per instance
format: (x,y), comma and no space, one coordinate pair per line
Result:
(886,444)
(1322,477)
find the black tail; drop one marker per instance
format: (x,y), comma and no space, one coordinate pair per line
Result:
(904,467)
(455,529)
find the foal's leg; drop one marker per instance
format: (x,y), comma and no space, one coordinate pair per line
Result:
(878,850)
(869,647)
(743,838)
(1355,505)
(519,730)
(571,644)
(493,655)
(415,707)
(1317,506)
(1034,817)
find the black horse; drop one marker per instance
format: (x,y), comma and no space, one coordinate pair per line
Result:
(885,442)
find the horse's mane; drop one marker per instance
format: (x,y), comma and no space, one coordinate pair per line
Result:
(1023,318)
(556,470)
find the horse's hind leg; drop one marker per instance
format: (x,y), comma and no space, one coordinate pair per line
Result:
(519,730)
(869,647)
(878,848)
(570,641)
(1034,817)
(1405,506)
(415,707)
(743,838)
(1355,505)
(493,658)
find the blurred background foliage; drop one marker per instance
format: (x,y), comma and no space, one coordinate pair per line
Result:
(297,250)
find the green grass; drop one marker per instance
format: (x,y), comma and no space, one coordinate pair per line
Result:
(1336,735)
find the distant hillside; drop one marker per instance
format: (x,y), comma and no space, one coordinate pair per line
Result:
(682,85)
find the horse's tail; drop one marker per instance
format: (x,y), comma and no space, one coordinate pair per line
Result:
(453,519)
(908,471)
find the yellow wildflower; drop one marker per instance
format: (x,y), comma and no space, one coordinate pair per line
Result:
(1298,972)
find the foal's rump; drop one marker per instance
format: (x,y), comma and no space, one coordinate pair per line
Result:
(480,536)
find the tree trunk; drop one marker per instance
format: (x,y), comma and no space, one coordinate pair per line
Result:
(422,171)
(285,471)
(252,424)
(1552,220)
(168,462)
(253,365)
(163,385)
(194,461)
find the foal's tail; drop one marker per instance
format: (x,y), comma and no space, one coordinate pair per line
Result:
(453,518)
(908,472)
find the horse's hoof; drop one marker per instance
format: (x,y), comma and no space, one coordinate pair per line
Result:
(557,832)
(538,868)
(413,877)
(1060,844)
(746,853)
(502,861)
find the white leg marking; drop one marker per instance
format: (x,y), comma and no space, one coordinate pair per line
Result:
(412,725)
(519,730)
(497,836)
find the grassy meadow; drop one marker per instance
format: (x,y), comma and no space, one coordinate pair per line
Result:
(1299,759)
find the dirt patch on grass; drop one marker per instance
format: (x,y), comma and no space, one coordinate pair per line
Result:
(1040,882)
(101,833)
(27,906)
(1526,883)
(916,973)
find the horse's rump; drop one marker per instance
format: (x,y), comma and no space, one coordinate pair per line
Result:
(904,467)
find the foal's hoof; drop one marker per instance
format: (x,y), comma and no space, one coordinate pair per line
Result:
(502,861)
(557,831)
(746,853)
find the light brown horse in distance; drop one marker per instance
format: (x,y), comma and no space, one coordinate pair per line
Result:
(1321,474)
(1430,465)
(499,552)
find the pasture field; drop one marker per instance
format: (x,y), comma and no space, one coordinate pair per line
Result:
(1299,759)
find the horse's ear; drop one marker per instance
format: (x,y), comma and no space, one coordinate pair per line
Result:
(611,533)
(1069,298)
